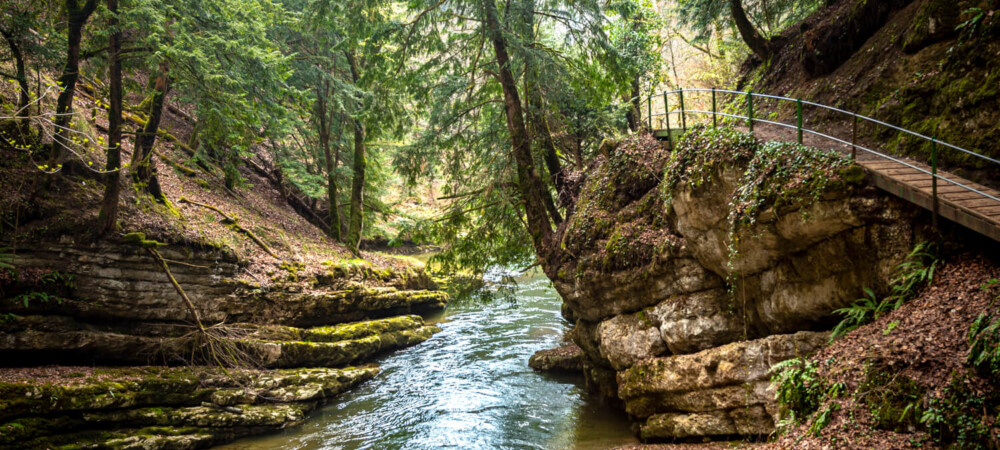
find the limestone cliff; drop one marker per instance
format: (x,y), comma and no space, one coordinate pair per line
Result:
(690,272)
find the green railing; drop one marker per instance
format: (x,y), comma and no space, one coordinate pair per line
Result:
(751,118)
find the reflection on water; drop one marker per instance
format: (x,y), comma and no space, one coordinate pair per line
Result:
(468,387)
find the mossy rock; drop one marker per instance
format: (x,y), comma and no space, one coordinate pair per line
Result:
(895,401)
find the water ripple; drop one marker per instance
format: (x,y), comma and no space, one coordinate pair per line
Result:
(468,387)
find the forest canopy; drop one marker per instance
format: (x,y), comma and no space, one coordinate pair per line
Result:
(493,107)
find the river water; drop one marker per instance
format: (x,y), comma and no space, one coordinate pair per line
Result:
(468,387)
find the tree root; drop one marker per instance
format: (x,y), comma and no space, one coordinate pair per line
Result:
(220,344)
(235,224)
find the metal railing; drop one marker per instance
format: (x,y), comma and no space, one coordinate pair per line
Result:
(751,118)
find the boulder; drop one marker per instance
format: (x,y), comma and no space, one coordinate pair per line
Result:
(726,377)
(567,358)
(743,421)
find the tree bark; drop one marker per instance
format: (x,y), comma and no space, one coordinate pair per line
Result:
(21,76)
(143,165)
(359,166)
(108,218)
(530,184)
(323,122)
(539,124)
(757,43)
(77,17)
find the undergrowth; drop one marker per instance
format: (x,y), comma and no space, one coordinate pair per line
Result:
(800,391)
(963,415)
(915,272)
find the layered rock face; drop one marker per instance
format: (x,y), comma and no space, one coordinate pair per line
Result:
(690,299)
(120,282)
(102,303)
(113,305)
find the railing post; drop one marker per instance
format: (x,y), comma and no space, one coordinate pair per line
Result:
(715,121)
(934,182)
(649,118)
(666,120)
(854,139)
(684,125)
(798,113)
(750,110)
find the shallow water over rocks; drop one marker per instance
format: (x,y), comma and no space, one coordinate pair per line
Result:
(468,387)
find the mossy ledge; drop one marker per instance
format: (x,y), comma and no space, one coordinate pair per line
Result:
(162,407)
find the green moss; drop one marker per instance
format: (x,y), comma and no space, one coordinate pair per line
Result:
(139,239)
(894,401)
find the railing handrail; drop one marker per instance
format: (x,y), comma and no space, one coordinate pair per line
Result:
(854,145)
(831,108)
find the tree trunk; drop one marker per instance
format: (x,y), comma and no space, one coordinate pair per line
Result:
(108,218)
(636,104)
(331,164)
(539,124)
(358,183)
(529,182)
(143,165)
(76,18)
(21,76)
(757,43)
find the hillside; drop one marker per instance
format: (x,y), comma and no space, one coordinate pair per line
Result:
(930,66)
(287,312)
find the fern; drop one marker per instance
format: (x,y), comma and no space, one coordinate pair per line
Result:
(984,337)
(862,311)
(800,390)
(915,272)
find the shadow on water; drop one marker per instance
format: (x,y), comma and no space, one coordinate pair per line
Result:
(468,387)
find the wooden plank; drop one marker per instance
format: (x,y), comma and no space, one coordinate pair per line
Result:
(977,202)
(963,195)
(896,171)
(967,218)
(880,164)
(914,176)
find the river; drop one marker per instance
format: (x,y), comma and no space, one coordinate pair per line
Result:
(467,387)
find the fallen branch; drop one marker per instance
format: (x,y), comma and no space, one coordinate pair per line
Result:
(150,246)
(180,291)
(235,224)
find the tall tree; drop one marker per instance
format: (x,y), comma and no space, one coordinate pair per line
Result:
(758,44)
(108,217)
(529,183)
(331,158)
(359,166)
(11,36)
(757,23)
(513,89)
(77,15)
(143,164)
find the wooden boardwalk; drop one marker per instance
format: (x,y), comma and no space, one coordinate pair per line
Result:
(956,202)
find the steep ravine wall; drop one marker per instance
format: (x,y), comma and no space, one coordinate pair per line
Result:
(683,301)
